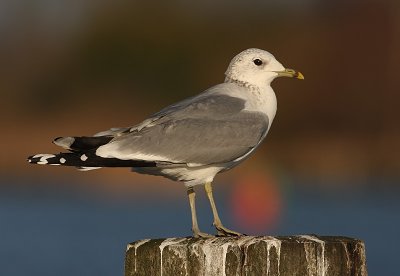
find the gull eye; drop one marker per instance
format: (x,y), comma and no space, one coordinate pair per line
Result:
(258,62)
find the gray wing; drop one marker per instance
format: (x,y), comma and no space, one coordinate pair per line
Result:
(204,130)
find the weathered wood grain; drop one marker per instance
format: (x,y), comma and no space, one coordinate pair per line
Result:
(284,256)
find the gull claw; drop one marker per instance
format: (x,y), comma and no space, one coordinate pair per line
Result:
(225,232)
(199,234)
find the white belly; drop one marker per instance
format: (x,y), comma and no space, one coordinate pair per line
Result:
(189,175)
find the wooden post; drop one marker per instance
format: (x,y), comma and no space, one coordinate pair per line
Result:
(293,255)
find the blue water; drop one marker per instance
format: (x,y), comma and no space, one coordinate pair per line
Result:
(67,231)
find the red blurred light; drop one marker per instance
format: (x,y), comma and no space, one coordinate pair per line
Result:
(256,203)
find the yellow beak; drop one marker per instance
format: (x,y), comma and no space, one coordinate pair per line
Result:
(290,73)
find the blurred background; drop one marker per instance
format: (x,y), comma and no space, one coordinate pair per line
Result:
(330,164)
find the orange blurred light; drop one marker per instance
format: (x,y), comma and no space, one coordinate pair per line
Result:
(256,203)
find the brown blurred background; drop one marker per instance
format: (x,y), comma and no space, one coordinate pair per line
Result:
(79,67)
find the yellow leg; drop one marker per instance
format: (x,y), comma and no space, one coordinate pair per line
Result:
(222,231)
(195,226)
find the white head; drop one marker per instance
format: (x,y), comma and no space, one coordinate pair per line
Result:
(257,68)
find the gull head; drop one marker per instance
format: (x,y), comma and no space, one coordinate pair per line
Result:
(255,67)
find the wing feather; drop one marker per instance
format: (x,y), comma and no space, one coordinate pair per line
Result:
(205,130)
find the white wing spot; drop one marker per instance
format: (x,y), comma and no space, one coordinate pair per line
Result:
(84,157)
(62,160)
(43,158)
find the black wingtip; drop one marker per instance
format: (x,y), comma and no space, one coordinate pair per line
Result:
(30,158)
(85,160)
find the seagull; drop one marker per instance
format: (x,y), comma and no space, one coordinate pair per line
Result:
(193,140)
